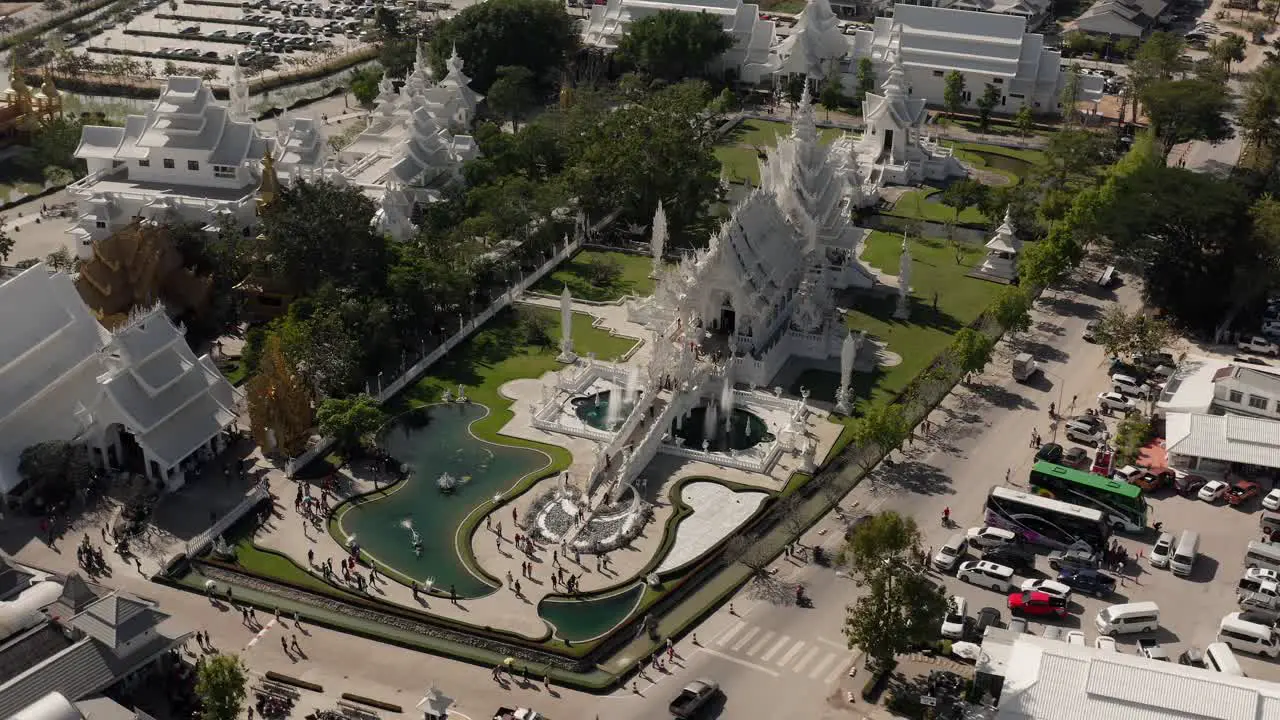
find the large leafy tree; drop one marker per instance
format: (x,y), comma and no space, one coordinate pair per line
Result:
(1121,333)
(880,429)
(970,351)
(537,34)
(279,404)
(220,685)
(953,92)
(55,467)
(987,104)
(350,421)
(364,84)
(963,194)
(512,93)
(1260,112)
(319,232)
(866,78)
(1228,49)
(1012,309)
(902,604)
(1183,110)
(1070,94)
(673,44)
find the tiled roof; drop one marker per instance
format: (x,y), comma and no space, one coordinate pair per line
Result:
(1230,438)
(115,620)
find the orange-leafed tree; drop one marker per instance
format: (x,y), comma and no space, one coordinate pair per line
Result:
(279,404)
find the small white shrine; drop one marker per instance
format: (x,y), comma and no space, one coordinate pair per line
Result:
(894,148)
(1003,248)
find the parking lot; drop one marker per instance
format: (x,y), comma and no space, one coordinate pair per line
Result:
(260,35)
(1190,608)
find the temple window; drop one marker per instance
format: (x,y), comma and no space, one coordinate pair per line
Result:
(193,165)
(224,171)
(100,224)
(168,163)
(144,163)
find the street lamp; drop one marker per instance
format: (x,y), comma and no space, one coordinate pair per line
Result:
(1053,422)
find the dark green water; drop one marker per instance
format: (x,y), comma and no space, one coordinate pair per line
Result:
(432,441)
(745,431)
(582,620)
(1003,162)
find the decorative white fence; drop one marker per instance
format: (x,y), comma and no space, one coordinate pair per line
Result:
(197,544)
(414,371)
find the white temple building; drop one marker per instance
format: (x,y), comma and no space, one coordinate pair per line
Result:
(1003,248)
(752,36)
(137,396)
(186,158)
(766,282)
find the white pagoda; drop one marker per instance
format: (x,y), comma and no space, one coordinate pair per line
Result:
(187,155)
(815,46)
(137,397)
(765,285)
(1003,248)
(894,148)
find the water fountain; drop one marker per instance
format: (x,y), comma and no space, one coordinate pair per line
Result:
(447,483)
(726,396)
(710,421)
(633,387)
(415,541)
(612,410)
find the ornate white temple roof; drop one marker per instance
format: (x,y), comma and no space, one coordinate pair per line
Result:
(759,253)
(63,376)
(1006,238)
(301,147)
(894,99)
(815,42)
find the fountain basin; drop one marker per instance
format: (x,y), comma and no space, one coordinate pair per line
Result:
(595,410)
(746,429)
(583,619)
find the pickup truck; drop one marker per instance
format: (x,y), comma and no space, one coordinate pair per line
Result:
(1258,344)
(506,713)
(1149,648)
(692,697)
(1073,560)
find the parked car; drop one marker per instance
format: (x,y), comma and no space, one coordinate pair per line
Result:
(1074,559)
(1212,491)
(1150,648)
(1258,344)
(1050,452)
(1116,402)
(1154,360)
(1272,500)
(985,573)
(1130,385)
(1052,588)
(1128,473)
(1242,492)
(1188,484)
(1036,604)
(1076,457)
(1154,479)
(950,553)
(1085,433)
(988,537)
(1016,556)
(987,617)
(1102,642)
(953,622)
(1088,581)
(1162,550)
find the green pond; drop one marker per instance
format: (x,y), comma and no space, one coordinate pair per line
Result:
(434,441)
(1017,166)
(582,620)
(745,430)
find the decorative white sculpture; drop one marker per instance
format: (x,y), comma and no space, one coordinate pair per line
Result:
(567,355)
(904,282)
(658,241)
(848,354)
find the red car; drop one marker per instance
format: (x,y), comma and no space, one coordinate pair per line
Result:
(1036,603)
(1242,491)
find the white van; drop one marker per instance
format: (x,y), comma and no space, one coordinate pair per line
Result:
(1248,636)
(1262,555)
(1185,553)
(1218,656)
(1128,618)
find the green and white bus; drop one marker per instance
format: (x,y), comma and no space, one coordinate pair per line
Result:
(1122,503)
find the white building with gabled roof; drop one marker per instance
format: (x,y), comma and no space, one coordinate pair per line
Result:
(185,156)
(137,396)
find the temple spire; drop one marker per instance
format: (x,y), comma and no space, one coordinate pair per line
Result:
(238,89)
(804,126)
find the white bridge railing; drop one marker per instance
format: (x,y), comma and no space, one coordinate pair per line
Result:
(197,544)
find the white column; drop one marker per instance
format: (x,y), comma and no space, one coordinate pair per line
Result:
(567,355)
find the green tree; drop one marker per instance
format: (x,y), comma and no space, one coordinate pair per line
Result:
(880,429)
(1159,58)
(1122,334)
(1183,110)
(538,34)
(901,607)
(1228,49)
(6,243)
(1069,94)
(1043,264)
(970,351)
(1072,155)
(55,144)
(61,260)
(351,422)
(55,468)
(795,88)
(1132,434)
(512,93)
(364,84)
(673,45)
(961,195)
(1260,111)
(1012,309)
(386,21)
(986,105)
(866,78)
(220,685)
(832,93)
(319,232)
(953,92)
(725,102)
(398,55)
(1024,122)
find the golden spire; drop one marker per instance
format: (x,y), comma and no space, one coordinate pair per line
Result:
(269,190)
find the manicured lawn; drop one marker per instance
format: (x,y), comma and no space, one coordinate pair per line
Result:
(497,354)
(1035,157)
(577,275)
(740,163)
(927,332)
(765,133)
(268,564)
(914,204)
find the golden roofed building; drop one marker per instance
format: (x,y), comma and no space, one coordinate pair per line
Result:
(137,266)
(23,111)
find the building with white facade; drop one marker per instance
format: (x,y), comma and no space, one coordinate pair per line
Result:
(752,37)
(1120,18)
(1036,12)
(1221,416)
(1044,679)
(136,396)
(186,159)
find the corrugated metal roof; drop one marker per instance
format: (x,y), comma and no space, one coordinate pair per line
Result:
(79,670)
(1230,438)
(115,620)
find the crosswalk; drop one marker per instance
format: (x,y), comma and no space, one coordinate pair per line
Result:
(778,654)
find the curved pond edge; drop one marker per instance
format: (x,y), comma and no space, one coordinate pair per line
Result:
(636,586)
(469,523)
